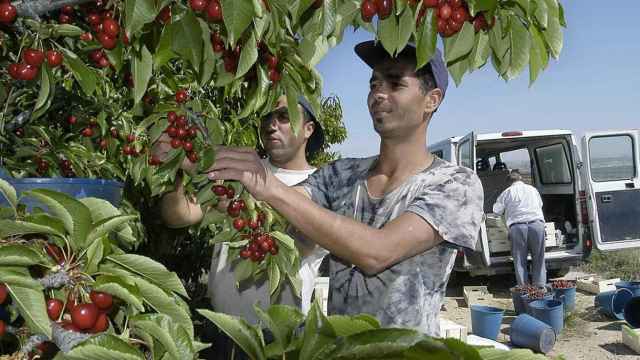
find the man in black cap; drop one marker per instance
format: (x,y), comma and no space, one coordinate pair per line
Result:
(392,222)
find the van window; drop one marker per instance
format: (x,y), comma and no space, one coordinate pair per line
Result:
(611,158)
(553,164)
(518,160)
(437,153)
(464,154)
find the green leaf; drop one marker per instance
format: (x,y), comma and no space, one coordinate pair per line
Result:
(74,215)
(95,254)
(159,300)
(240,331)
(105,226)
(45,219)
(9,193)
(282,320)
(481,5)
(426,38)
(538,57)
(379,344)
(292,93)
(388,34)
(274,277)
(19,276)
(164,50)
(318,333)
(458,69)
(541,12)
(553,33)
(520,46)
(151,270)
(101,209)
(312,51)
(32,308)
(237,16)
(406,28)
(115,56)
(82,73)
(516,354)
(43,102)
(243,270)
(460,44)
(122,288)
(480,52)
(187,39)
(19,255)
(284,239)
(104,347)
(138,13)
(162,328)
(66,30)
(248,56)
(12,228)
(208,57)
(348,325)
(141,71)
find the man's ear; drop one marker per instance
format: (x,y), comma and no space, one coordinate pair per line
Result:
(308,128)
(434,98)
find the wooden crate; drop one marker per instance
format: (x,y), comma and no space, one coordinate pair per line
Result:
(499,245)
(476,295)
(595,285)
(449,329)
(631,338)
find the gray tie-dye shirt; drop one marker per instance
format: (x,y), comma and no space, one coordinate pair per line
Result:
(409,293)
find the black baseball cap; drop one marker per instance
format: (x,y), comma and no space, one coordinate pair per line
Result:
(316,141)
(372,53)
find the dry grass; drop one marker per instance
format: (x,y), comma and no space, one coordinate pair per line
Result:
(623,264)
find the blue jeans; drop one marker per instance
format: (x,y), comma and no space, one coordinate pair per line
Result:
(527,238)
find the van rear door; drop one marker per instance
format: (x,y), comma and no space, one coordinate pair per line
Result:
(466,156)
(613,182)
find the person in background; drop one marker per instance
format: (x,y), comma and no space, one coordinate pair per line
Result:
(522,207)
(288,159)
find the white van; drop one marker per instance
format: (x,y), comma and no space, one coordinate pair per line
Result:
(589,199)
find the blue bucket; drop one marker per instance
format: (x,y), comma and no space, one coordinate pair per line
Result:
(485,321)
(531,333)
(518,304)
(568,298)
(78,188)
(632,312)
(612,302)
(633,286)
(527,301)
(550,312)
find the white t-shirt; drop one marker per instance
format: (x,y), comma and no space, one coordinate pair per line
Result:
(227,298)
(520,202)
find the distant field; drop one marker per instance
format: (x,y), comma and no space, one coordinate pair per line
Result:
(624,264)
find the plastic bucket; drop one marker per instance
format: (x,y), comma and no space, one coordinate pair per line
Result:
(485,321)
(550,312)
(612,302)
(109,190)
(526,300)
(568,298)
(531,333)
(633,286)
(632,312)
(518,304)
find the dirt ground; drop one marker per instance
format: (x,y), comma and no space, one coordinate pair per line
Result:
(587,333)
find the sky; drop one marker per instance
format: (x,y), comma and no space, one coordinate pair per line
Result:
(595,84)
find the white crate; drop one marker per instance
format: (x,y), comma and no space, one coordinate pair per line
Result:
(499,245)
(631,338)
(449,329)
(595,285)
(477,295)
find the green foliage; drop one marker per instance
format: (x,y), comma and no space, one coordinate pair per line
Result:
(623,264)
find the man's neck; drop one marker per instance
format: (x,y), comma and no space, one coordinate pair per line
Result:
(404,158)
(296,163)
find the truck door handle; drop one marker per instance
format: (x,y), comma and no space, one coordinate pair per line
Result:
(606,198)
(629,185)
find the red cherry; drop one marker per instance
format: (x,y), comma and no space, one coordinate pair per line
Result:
(271,61)
(84,316)
(3,328)
(102,300)
(54,308)
(94,19)
(192,156)
(110,27)
(102,324)
(13,70)
(442,25)
(172,131)
(265,246)
(255,256)
(460,15)
(154,160)
(72,120)
(274,249)
(181,121)
(193,131)
(176,143)
(230,63)
(3,292)
(165,15)
(86,36)
(131,138)
(384,7)
(214,11)
(187,146)
(67,325)
(455,3)
(87,132)
(114,132)
(454,26)
(431,3)
(54,58)
(231,192)
(8,13)
(127,150)
(218,47)
(33,57)
(96,55)
(317,4)
(104,62)
(181,96)
(198,5)
(27,72)
(444,11)
(104,144)
(64,19)
(253,224)
(368,10)
(274,75)
(67,9)
(172,116)
(107,41)
(234,208)
(238,224)
(125,38)
(245,253)
(19,132)
(219,190)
